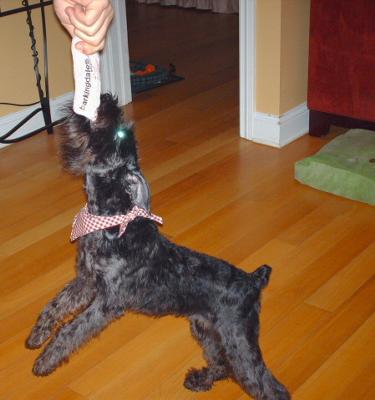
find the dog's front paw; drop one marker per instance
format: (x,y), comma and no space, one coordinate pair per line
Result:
(198,380)
(46,363)
(42,368)
(37,337)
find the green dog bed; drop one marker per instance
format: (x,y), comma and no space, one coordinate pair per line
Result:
(345,167)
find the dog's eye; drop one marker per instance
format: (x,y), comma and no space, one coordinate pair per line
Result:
(121,133)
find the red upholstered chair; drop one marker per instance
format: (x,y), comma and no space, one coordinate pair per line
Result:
(341,86)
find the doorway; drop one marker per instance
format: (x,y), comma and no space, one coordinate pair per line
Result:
(116,57)
(202,45)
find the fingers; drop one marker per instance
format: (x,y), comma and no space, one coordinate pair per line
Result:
(90,10)
(90,26)
(90,23)
(85,48)
(92,44)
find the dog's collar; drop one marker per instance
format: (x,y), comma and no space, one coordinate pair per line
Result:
(85,223)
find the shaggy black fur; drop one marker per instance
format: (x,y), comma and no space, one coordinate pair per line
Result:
(144,272)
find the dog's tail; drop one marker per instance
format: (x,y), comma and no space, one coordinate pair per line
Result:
(262,275)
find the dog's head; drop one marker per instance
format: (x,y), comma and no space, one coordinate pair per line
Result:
(104,145)
(105,151)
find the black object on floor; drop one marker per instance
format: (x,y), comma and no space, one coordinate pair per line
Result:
(145,76)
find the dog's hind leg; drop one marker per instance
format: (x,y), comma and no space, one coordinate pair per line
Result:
(244,355)
(217,366)
(74,334)
(76,295)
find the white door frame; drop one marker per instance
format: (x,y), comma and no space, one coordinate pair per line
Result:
(115,71)
(247,29)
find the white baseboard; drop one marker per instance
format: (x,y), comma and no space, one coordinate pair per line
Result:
(8,121)
(278,131)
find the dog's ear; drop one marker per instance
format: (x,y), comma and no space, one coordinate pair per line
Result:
(78,134)
(109,113)
(262,275)
(138,189)
(74,143)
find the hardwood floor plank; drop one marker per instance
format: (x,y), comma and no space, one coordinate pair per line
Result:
(190,156)
(304,270)
(24,216)
(290,335)
(180,116)
(325,242)
(22,296)
(358,352)
(32,387)
(37,233)
(172,389)
(365,389)
(312,222)
(143,353)
(36,260)
(16,161)
(346,282)
(23,319)
(12,349)
(272,252)
(180,174)
(318,349)
(68,394)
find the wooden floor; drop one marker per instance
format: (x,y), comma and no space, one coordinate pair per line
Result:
(219,194)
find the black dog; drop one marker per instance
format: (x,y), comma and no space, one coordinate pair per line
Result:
(144,272)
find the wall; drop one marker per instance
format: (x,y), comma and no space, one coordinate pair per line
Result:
(282,52)
(16,68)
(268,56)
(295,23)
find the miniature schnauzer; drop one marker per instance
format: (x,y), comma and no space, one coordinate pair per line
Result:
(142,271)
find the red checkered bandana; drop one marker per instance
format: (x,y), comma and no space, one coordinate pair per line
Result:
(85,223)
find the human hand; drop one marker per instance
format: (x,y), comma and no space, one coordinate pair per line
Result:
(89,20)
